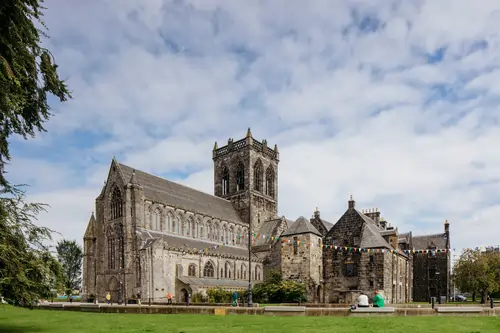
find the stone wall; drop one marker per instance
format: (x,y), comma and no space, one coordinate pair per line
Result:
(303,262)
(424,284)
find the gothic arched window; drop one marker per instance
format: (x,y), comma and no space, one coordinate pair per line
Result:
(116,205)
(270,181)
(208,271)
(225,181)
(169,221)
(155,219)
(192,270)
(121,246)
(227,270)
(111,249)
(243,272)
(240,177)
(257,176)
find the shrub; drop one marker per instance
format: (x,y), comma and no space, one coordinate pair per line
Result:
(276,290)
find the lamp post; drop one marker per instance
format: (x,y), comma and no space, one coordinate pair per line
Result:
(250,302)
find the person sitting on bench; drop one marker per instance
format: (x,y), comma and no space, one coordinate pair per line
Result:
(378,300)
(363,301)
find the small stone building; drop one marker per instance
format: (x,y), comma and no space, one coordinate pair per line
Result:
(302,257)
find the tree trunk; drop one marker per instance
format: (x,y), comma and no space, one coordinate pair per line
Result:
(483,297)
(473,296)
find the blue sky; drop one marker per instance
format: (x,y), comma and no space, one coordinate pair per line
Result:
(394,102)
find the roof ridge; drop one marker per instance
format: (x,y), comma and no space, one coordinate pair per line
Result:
(176,183)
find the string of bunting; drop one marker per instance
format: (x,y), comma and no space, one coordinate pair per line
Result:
(309,244)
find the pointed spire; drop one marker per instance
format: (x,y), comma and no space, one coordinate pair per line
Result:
(249,133)
(215,146)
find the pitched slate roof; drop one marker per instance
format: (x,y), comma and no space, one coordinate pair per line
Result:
(371,237)
(188,243)
(161,190)
(301,226)
(269,228)
(425,241)
(211,282)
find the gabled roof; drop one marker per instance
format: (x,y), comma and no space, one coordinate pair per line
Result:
(301,226)
(161,190)
(371,237)
(426,241)
(269,229)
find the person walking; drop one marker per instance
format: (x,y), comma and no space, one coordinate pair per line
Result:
(235,297)
(108,298)
(169,298)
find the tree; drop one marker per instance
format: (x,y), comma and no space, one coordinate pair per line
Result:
(28,75)
(28,271)
(70,255)
(478,272)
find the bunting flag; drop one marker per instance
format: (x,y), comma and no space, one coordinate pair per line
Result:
(325,246)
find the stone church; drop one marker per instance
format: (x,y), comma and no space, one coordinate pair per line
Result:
(153,236)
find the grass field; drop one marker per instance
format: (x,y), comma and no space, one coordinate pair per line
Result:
(14,320)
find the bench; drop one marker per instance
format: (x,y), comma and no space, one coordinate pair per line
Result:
(285,310)
(90,307)
(459,309)
(386,311)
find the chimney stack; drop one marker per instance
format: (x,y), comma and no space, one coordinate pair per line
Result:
(351,203)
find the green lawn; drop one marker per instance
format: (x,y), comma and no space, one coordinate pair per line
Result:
(14,320)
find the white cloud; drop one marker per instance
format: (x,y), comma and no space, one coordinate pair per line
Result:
(352,112)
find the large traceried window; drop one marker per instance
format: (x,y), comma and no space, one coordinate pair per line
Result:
(270,182)
(257,176)
(225,181)
(116,204)
(208,271)
(240,177)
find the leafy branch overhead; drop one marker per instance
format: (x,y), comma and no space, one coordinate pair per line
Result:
(28,75)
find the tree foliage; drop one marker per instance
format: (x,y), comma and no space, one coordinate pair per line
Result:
(28,75)
(70,255)
(28,271)
(277,290)
(478,272)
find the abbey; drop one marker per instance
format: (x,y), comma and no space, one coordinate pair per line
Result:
(153,236)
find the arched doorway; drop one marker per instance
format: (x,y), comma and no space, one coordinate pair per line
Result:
(318,294)
(113,288)
(184,295)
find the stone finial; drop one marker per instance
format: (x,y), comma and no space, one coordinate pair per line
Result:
(215,146)
(275,148)
(133,179)
(376,210)
(249,133)
(446,222)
